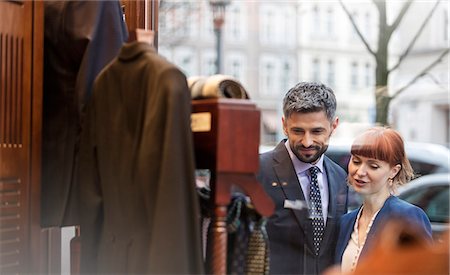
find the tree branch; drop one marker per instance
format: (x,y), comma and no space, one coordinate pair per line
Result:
(435,80)
(363,39)
(413,41)
(400,16)
(422,73)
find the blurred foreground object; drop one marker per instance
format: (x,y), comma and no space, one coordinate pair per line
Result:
(400,250)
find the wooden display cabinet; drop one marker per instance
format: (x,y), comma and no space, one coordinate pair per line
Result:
(226,141)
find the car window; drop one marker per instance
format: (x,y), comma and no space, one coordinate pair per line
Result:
(433,200)
(438,208)
(422,168)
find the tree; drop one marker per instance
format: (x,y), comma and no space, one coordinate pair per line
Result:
(173,16)
(381,54)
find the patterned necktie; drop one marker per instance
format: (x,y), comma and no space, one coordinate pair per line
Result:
(316,209)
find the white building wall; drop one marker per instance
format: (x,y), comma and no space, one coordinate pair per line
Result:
(423,115)
(263,36)
(421,112)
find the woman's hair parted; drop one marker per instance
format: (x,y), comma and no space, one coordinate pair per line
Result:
(384,144)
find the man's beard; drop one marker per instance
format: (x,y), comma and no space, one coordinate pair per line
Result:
(310,158)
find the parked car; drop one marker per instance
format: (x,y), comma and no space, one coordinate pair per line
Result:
(431,193)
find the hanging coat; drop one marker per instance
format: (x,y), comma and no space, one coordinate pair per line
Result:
(139,207)
(81,37)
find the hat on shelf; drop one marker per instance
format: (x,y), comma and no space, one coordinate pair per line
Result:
(215,86)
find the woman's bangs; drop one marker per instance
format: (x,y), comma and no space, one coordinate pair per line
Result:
(374,150)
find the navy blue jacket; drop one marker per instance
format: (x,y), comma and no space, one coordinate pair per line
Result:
(393,208)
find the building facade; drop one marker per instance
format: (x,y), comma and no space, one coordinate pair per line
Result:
(271,45)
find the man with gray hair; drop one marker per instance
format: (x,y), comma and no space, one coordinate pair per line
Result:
(309,190)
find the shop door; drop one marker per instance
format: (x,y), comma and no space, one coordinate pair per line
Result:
(21,27)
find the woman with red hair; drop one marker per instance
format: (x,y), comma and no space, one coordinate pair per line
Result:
(378,165)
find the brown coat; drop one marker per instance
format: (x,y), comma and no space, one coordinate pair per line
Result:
(139,211)
(81,37)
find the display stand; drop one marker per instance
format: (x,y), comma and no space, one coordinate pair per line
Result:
(226,139)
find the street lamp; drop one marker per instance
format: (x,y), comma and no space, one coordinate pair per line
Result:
(218,9)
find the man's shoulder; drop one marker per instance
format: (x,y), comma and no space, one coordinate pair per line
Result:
(267,154)
(278,154)
(333,167)
(267,158)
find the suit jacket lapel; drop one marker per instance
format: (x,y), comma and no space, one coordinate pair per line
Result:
(290,185)
(332,200)
(346,227)
(332,189)
(385,211)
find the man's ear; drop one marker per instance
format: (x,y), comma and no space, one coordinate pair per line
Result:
(334,125)
(283,120)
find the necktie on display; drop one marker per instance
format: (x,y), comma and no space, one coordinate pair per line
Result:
(258,250)
(316,209)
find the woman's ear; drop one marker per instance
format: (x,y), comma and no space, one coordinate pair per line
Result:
(395,170)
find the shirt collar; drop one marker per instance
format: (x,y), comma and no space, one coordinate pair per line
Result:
(300,166)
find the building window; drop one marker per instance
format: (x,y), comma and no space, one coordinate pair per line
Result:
(367,26)
(316,70)
(286,76)
(315,21)
(354,33)
(268,78)
(368,73)
(184,57)
(234,20)
(446,25)
(234,65)
(267,23)
(207,22)
(287,26)
(330,73)
(186,63)
(208,64)
(236,69)
(330,21)
(354,75)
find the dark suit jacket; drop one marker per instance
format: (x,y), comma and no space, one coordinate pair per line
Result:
(392,208)
(290,230)
(81,37)
(139,207)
